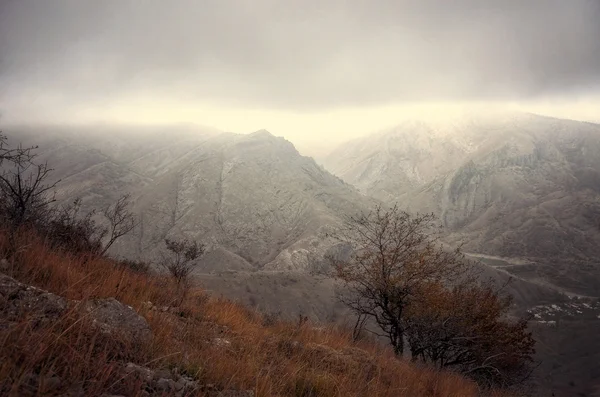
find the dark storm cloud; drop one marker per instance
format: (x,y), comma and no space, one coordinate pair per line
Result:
(298,54)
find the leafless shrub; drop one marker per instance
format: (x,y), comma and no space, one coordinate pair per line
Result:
(67,229)
(17,155)
(121,220)
(180,261)
(25,195)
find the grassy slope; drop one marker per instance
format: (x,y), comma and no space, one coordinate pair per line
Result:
(258,355)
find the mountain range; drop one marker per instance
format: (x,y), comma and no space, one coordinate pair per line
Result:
(520,192)
(252,199)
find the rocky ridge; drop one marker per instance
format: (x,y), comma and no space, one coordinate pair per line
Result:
(518,186)
(252,199)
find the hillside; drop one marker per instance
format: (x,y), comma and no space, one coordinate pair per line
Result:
(522,193)
(253,199)
(520,187)
(266,213)
(81,326)
(259,206)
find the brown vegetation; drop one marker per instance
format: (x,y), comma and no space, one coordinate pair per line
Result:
(217,342)
(468,328)
(428,298)
(212,347)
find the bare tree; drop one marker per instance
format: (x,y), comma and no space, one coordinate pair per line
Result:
(18,155)
(67,229)
(24,194)
(121,221)
(393,257)
(428,298)
(180,261)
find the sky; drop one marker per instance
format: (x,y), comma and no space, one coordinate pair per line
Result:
(310,70)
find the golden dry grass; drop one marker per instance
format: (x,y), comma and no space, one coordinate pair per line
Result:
(217,341)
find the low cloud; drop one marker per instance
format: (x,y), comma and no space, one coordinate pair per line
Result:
(298,55)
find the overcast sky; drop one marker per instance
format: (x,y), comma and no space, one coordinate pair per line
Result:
(303,69)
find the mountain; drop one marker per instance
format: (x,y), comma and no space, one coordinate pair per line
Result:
(253,199)
(521,189)
(267,213)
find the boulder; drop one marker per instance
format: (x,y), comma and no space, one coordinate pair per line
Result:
(111,316)
(18,301)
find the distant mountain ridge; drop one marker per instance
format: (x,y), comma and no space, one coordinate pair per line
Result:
(516,185)
(521,191)
(252,198)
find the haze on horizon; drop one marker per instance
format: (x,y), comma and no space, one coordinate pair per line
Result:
(314,72)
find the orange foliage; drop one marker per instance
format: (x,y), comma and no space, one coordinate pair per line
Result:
(214,340)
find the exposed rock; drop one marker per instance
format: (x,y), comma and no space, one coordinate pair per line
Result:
(112,316)
(252,199)
(143,373)
(18,300)
(221,342)
(166,386)
(168,382)
(515,186)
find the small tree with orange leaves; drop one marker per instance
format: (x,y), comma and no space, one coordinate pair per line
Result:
(394,255)
(467,328)
(428,298)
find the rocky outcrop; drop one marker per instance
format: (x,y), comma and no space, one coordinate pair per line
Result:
(19,301)
(168,383)
(512,186)
(252,199)
(112,317)
(155,382)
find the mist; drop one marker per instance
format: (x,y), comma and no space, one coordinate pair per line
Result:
(314,72)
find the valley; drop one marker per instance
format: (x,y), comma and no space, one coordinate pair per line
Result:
(520,193)
(300,198)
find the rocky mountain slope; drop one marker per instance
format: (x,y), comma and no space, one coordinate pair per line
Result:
(253,199)
(263,209)
(520,187)
(72,325)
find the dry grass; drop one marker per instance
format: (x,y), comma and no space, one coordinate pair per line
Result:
(216,341)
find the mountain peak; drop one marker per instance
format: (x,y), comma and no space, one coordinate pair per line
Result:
(265,137)
(262,133)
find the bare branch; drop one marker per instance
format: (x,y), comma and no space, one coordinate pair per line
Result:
(121,220)
(428,298)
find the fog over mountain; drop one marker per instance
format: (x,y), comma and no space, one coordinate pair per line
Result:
(519,190)
(311,71)
(512,185)
(257,127)
(253,199)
